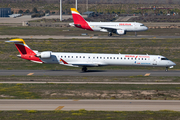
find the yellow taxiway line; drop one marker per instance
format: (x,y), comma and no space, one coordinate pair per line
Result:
(59,108)
(147,74)
(30,74)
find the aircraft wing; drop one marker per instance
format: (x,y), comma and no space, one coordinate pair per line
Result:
(81,64)
(88,64)
(109,29)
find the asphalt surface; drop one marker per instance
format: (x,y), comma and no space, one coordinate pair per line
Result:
(88,73)
(104,105)
(115,83)
(88,37)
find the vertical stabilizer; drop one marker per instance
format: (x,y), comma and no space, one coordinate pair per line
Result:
(25,51)
(79,21)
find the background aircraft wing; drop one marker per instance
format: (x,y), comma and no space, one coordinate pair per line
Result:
(109,29)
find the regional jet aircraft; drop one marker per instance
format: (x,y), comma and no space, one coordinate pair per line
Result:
(85,60)
(119,28)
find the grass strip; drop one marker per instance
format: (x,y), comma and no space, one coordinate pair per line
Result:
(89,91)
(95,115)
(46,78)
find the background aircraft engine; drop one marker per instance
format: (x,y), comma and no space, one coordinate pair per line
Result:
(120,32)
(46,54)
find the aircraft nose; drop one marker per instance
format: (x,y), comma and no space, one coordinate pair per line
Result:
(172,63)
(146,28)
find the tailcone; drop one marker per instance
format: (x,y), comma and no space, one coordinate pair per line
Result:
(19,56)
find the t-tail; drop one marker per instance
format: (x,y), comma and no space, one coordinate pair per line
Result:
(79,21)
(25,51)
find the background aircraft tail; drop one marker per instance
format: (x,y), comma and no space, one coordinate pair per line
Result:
(79,21)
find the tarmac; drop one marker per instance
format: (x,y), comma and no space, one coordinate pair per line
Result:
(103,105)
(89,73)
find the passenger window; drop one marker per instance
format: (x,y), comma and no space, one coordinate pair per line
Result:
(128,58)
(79,56)
(97,57)
(93,57)
(104,57)
(76,56)
(121,57)
(145,58)
(68,56)
(89,57)
(83,56)
(131,58)
(71,56)
(124,58)
(142,58)
(110,57)
(64,56)
(107,57)
(61,56)
(117,57)
(100,57)
(138,58)
(135,58)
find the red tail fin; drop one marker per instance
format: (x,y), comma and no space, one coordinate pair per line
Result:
(25,50)
(22,47)
(79,21)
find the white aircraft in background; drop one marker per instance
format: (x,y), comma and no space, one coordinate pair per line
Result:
(119,28)
(85,60)
(15,15)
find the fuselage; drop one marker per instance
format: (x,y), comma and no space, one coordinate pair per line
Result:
(126,26)
(75,59)
(85,60)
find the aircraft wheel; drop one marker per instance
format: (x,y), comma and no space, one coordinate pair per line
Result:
(166,69)
(110,34)
(84,69)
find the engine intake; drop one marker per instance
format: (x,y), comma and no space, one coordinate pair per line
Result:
(120,32)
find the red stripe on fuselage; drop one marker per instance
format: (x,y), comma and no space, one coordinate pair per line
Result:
(80,22)
(27,53)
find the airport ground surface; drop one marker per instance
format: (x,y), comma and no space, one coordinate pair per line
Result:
(103,105)
(150,88)
(89,37)
(89,73)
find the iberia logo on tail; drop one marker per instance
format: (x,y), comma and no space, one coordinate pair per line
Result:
(25,51)
(79,21)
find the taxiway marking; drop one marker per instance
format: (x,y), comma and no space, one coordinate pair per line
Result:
(30,74)
(59,108)
(147,74)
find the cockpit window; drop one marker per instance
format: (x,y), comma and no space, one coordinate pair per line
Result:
(164,59)
(142,25)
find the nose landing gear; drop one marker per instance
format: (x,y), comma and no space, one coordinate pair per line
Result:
(166,69)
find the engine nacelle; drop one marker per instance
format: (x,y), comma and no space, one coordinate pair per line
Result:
(120,32)
(45,54)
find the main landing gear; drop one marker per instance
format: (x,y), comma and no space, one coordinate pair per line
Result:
(110,34)
(84,69)
(135,33)
(166,69)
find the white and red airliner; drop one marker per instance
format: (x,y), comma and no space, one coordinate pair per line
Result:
(119,28)
(85,60)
